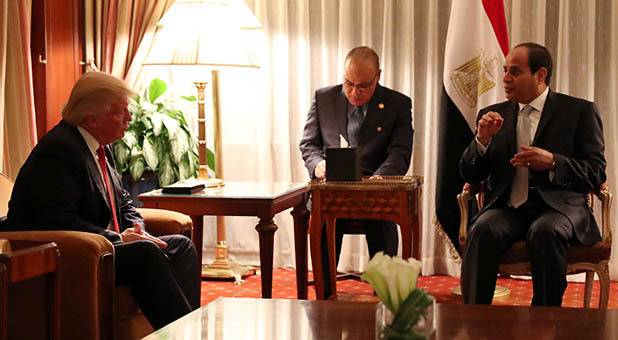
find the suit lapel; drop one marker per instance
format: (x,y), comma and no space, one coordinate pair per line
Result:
(548,112)
(510,122)
(373,112)
(340,105)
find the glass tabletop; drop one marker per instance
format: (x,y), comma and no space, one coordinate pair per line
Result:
(240,190)
(272,319)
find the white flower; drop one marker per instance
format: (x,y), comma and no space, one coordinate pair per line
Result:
(392,278)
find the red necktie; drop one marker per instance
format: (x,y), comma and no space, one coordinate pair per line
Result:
(102,163)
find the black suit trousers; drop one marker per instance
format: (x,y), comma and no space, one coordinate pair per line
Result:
(547,233)
(164,281)
(381,235)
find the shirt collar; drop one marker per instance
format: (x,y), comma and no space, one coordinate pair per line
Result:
(537,103)
(92,143)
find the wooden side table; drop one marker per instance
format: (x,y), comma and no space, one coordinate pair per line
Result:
(395,198)
(22,260)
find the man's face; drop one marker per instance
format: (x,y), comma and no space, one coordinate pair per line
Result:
(520,85)
(111,125)
(360,80)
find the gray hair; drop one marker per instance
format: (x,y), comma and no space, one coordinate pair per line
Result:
(94,93)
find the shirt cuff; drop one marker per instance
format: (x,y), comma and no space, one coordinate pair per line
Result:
(481,148)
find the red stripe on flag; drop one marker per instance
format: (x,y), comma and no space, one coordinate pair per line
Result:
(495,12)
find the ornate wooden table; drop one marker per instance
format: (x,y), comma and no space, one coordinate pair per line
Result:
(225,319)
(395,198)
(23,260)
(260,199)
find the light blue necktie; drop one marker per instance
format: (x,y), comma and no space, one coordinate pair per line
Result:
(354,124)
(519,186)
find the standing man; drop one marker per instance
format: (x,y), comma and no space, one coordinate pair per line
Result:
(539,152)
(367,115)
(70,182)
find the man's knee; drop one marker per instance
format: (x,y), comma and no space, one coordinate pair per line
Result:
(542,233)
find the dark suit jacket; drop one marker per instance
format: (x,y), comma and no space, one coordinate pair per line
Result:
(571,129)
(385,136)
(59,188)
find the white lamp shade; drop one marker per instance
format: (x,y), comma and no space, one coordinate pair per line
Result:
(205,33)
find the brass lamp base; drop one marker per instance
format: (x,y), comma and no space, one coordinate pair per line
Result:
(500,293)
(224,268)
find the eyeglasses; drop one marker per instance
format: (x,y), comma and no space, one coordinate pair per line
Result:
(362,87)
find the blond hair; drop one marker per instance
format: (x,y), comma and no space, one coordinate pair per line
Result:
(94,93)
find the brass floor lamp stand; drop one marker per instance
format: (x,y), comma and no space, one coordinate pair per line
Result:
(222,267)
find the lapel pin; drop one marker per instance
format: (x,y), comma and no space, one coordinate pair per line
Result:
(380,106)
(379,128)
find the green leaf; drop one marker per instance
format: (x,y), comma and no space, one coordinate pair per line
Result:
(167,172)
(189,98)
(157,123)
(156,89)
(130,138)
(137,167)
(179,146)
(185,169)
(171,125)
(150,155)
(121,153)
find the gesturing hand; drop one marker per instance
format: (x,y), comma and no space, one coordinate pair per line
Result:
(137,234)
(534,158)
(488,126)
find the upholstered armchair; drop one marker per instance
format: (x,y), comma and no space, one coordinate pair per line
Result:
(591,260)
(91,307)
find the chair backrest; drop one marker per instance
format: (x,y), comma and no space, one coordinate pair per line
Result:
(6,187)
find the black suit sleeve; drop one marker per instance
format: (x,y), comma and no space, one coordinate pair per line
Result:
(584,168)
(311,144)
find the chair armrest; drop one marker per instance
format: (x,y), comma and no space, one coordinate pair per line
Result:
(463,199)
(86,279)
(166,222)
(606,198)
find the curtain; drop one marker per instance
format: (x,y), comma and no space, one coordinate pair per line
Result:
(17,118)
(114,29)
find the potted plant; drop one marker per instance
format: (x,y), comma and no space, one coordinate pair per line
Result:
(158,139)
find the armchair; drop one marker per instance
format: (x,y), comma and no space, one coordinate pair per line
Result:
(91,307)
(591,260)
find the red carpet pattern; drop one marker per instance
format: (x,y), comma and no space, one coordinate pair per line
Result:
(284,287)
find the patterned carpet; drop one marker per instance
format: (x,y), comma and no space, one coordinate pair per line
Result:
(284,287)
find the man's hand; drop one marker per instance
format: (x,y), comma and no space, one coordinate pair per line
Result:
(489,125)
(320,169)
(534,158)
(137,234)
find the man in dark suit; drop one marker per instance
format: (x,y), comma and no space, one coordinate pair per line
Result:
(67,184)
(539,152)
(367,115)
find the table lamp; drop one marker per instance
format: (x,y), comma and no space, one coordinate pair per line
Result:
(197,35)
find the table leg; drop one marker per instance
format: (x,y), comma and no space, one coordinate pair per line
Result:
(198,234)
(266,230)
(301,223)
(315,235)
(53,291)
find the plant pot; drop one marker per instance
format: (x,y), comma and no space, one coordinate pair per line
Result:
(148,182)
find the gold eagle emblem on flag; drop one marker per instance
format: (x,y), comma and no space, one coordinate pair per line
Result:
(474,78)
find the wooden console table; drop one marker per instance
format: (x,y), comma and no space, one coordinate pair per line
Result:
(260,199)
(23,260)
(394,198)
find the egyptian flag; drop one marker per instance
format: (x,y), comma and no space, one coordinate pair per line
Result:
(476,46)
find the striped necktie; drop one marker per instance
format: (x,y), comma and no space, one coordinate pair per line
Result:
(103,164)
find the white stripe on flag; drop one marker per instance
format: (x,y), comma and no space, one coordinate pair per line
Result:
(473,60)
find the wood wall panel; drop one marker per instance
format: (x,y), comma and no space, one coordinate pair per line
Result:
(60,21)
